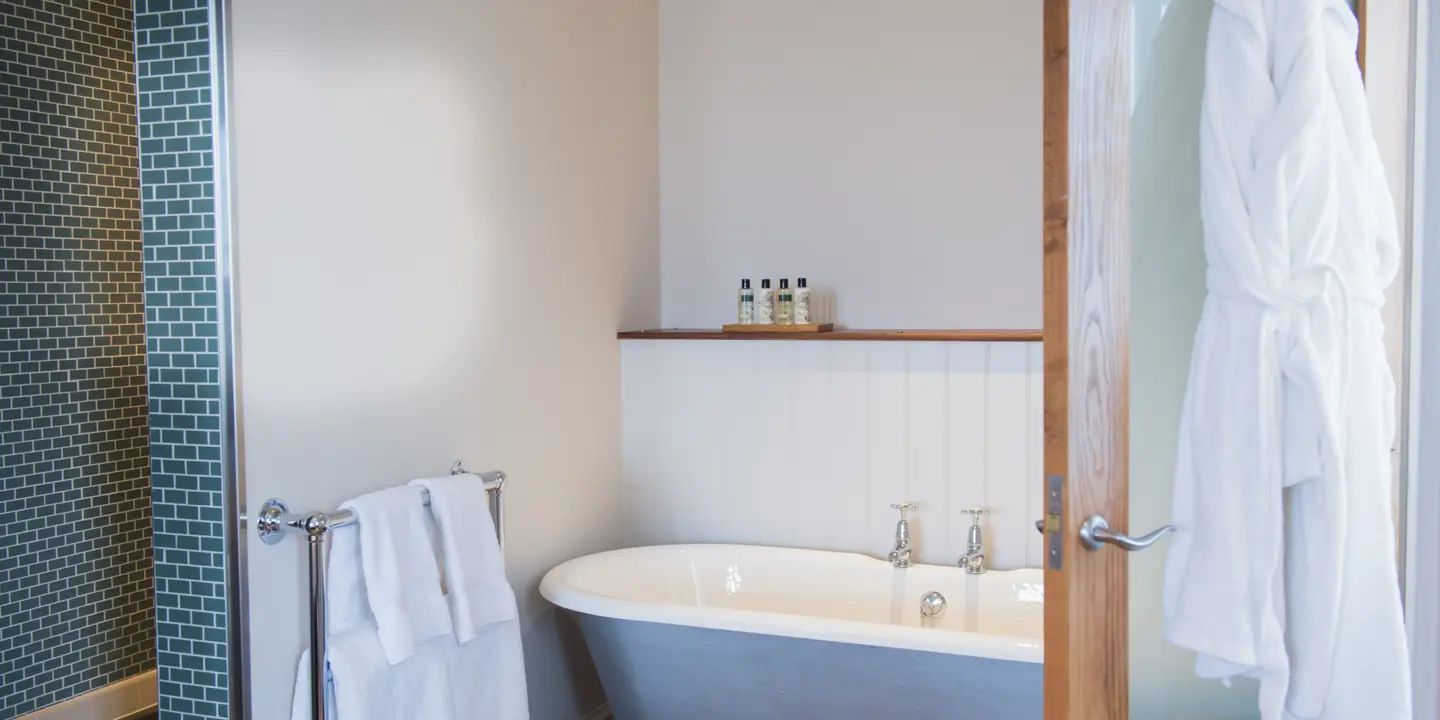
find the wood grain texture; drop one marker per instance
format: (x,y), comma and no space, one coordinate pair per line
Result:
(774,329)
(1056,321)
(1361,12)
(1087,83)
(842,335)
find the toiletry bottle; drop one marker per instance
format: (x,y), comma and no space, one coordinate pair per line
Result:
(765,304)
(747,303)
(785,304)
(802,303)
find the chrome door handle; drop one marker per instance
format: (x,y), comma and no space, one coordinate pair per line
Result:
(1095,531)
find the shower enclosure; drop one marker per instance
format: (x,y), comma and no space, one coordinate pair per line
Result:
(77,605)
(113,559)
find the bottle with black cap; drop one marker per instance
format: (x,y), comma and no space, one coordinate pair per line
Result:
(785,304)
(802,303)
(765,304)
(747,303)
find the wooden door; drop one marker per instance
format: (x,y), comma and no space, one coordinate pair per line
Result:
(1087,88)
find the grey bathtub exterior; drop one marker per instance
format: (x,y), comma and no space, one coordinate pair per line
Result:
(654,671)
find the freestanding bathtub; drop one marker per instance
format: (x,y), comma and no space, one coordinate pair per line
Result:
(713,632)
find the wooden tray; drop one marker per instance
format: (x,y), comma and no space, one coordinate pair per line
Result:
(771,329)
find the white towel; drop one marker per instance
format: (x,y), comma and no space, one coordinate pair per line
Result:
(479,594)
(402,581)
(300,701)
(488,664)
(488,674)
(442,681)
(363,685)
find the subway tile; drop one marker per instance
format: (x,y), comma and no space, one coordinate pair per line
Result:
(181,334)
(75,557)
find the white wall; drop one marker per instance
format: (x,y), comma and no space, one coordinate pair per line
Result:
(446,209)
(1388,82)
(879,149)
(1422,577)
(806,444)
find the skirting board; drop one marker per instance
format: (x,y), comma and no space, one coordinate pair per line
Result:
(116,701)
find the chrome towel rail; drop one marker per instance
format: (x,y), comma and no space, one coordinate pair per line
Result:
(275,519)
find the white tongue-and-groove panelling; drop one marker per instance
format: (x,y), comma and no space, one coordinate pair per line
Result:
(807,444)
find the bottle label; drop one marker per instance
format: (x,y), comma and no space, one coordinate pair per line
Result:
(802,308)
(765,307)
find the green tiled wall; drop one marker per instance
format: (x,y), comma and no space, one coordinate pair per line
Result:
(76,609)
(182,329)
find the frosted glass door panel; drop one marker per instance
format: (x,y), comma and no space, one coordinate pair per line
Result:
(1168,287)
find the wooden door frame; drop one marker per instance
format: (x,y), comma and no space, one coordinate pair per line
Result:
(1087,98)
(1361,11)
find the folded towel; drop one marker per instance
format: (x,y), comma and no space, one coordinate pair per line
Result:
(362,684)
(478,593)
(402,581)
(346,606)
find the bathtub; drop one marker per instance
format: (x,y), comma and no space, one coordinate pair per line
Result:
(712,632)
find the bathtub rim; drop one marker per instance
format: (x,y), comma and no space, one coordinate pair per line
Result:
(556,589)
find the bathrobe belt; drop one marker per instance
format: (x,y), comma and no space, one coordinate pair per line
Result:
(1313,415)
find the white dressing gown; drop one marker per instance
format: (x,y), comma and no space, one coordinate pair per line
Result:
(1284,564)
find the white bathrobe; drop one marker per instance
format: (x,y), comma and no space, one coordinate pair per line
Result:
(1284,565)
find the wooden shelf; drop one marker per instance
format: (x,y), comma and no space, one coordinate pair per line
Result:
(844,335)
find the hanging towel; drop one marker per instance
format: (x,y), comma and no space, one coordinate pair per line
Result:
(488,674)
(362,684)
(487,664)
(478,593)
(1283,565)
(300,700)
(402,581)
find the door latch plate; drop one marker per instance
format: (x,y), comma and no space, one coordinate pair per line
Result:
(1054,542)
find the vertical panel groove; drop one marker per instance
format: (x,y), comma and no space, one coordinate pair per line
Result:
(988,431)
(949,424)
(807,444)
(907,365)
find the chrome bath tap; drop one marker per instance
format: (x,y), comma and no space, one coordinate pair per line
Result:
(900,555)
(973,561)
